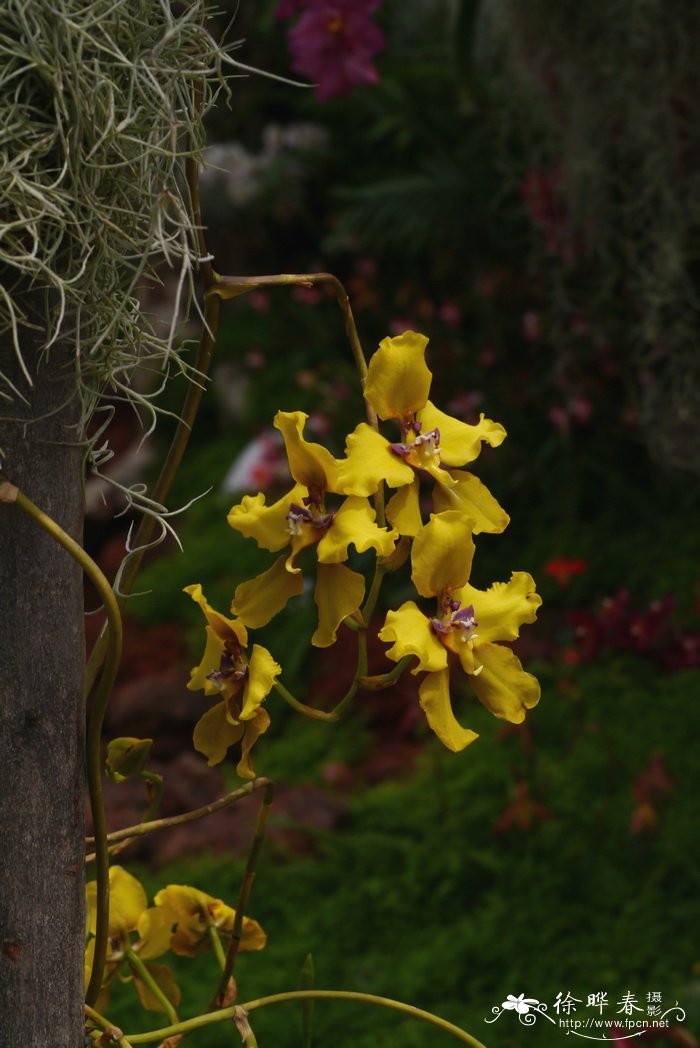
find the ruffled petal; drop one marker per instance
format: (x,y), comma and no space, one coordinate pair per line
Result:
(369,461)
(459,442)
(503,608)
(503,686)
(310,464)
(398,379)
(263,671)
(403,509)
(254,728)
(268,525)
(211,660)
(434,694)
(260,599)
(474,500)
(354,523)
(442,554)
(339,592)
(213,735)
(410,631)
(226,629)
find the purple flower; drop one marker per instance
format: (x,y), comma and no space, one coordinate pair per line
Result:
(334,43)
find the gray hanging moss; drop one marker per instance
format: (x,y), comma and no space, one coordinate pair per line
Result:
(97,113)
(605,98)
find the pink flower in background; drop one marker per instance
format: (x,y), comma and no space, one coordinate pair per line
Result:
(334,43)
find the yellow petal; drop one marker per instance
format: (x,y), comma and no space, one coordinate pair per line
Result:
(211,660)
(164,979)
(442,554)
(213,735)
(262,674)
(398,380)
(410,630)
(310,464)
(354,523)
(253,937)
(403,509)
(127,901)
(186,902)
(254,728)
(268,525)
(434,693)
(260,599)
(474,500)
(226,629)
(459,442)
(339,592)
(502,609)
(155,929)
(369,461)
(503,686)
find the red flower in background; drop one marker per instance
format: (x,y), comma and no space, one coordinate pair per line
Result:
(334,43)
(563,569)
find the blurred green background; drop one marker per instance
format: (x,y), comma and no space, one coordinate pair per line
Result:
(521,185)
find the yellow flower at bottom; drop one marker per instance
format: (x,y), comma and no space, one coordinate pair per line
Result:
(194,912)
(467,626)
(129,913)
(242,682)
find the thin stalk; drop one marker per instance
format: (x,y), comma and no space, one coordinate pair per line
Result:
(299,995)
(232,287)
(301,707)
(139,969)
(94,730)
(142,828)
(244,895)
(373,594)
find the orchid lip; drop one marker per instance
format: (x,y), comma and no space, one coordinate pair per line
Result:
(299,515)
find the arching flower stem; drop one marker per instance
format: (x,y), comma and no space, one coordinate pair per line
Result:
(117,1037)
(306,995)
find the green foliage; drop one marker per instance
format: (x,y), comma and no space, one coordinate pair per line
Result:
(418,897)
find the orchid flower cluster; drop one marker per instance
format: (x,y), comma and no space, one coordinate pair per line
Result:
(462,632)
(183,920)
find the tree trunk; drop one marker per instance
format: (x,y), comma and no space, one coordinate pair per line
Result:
(41,717)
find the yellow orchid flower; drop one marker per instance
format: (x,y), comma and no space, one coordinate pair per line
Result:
(242,682)
(397,387)
(129,913)
(301,519)
(467,625)
(195,911)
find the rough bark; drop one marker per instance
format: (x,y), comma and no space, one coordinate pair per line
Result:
(41,720)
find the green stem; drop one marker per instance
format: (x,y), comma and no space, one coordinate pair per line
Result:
(244,895)
(385,680)
(360,671)
(94,730)
(300,707)
(300,995)
(142,828)
(373,594)
(139,969)
(107,1025)
(215,940)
